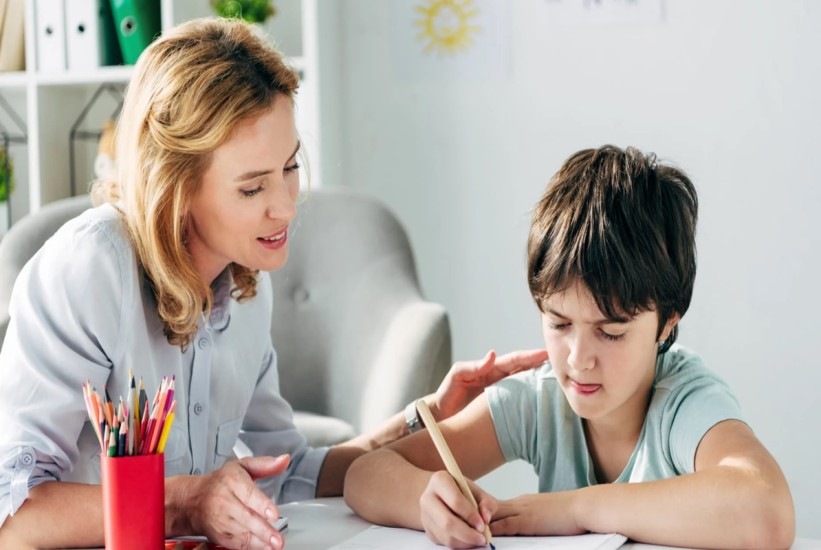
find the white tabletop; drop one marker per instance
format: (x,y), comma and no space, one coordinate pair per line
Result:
(322,523)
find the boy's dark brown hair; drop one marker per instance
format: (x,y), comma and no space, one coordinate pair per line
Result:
(624,225)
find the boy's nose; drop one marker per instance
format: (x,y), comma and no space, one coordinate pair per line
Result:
(581,357)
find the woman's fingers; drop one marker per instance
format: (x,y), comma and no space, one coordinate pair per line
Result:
(235,513)
(518,361)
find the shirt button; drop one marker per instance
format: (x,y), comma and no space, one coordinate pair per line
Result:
(197,471)
(202,343)
(198,408)
(301,295)
(26,459)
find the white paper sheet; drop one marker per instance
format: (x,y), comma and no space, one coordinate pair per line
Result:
(407,539)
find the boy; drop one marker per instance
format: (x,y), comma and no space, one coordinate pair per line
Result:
(627,432)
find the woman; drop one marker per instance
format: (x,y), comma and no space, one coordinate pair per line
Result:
(168,278)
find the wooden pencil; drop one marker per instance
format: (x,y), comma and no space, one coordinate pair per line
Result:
(447,457)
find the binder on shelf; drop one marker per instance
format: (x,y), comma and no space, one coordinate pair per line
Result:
(138,23)
(90,35)
(51,35)
(12,35)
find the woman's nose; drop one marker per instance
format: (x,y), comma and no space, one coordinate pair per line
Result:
(282,204)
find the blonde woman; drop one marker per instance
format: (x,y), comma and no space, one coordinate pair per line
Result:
(206,189)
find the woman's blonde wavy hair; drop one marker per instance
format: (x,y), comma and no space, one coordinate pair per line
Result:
(189,90)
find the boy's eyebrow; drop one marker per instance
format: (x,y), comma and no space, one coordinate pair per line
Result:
(602,321)
(256,173)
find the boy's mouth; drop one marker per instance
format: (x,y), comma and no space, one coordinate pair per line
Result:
(584,389)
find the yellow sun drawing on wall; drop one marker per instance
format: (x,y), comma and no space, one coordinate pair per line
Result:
(446,26)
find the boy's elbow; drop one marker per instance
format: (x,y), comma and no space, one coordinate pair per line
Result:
(782,529)
(773,526)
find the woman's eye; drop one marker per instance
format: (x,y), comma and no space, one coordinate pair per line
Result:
(292,168)
(251,192)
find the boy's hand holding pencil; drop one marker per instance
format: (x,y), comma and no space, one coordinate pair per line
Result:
(464,510)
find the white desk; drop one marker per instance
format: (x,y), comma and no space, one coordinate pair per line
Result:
(322,523)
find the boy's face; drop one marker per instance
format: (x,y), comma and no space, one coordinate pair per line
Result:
(604,367)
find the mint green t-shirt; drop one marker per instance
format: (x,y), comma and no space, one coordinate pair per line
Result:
(534,422)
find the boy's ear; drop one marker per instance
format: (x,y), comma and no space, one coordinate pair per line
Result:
(668,326)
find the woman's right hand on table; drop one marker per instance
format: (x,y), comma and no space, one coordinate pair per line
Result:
(227,506)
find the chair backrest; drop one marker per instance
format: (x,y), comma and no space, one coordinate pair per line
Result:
(25,238)
(354,337)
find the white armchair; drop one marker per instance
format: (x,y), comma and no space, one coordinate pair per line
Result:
(355,338)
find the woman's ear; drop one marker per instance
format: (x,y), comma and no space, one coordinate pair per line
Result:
(668,326)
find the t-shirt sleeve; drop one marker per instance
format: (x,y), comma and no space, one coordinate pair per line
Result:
(513,408)
(691,411)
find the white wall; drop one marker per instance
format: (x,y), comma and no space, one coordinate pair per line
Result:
(728,90)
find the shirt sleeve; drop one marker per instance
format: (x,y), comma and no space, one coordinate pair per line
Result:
(512,403)
(268,430)
(696,407)
(65,316)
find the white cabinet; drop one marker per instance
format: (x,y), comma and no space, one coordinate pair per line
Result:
(51,103)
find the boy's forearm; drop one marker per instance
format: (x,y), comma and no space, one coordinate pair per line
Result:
(384,488)
(720,507)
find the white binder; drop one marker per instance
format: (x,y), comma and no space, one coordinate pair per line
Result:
(83,34)
(51,35)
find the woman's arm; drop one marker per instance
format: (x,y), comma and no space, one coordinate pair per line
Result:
(463,383)
(225,505)
(737,498)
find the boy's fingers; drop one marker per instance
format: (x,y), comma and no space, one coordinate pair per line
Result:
(459,504)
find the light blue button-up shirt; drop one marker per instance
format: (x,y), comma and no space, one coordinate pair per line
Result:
(81,309)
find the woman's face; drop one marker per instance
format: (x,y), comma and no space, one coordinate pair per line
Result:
(604,367)
(248,196)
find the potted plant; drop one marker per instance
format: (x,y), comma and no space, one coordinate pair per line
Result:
(253,11)
(6,176)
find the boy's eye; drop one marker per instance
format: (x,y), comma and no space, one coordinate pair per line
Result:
(251,192)
(558,326)
(611,337)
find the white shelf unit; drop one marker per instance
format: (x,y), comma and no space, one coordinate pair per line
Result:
(50,103)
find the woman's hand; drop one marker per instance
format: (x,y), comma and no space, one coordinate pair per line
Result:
(467,379)
(228,507)
(448,516)
(541,514)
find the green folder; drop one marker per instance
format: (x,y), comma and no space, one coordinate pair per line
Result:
(138,24)
(109,40)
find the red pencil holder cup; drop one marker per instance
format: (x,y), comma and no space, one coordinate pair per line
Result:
(134,502)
